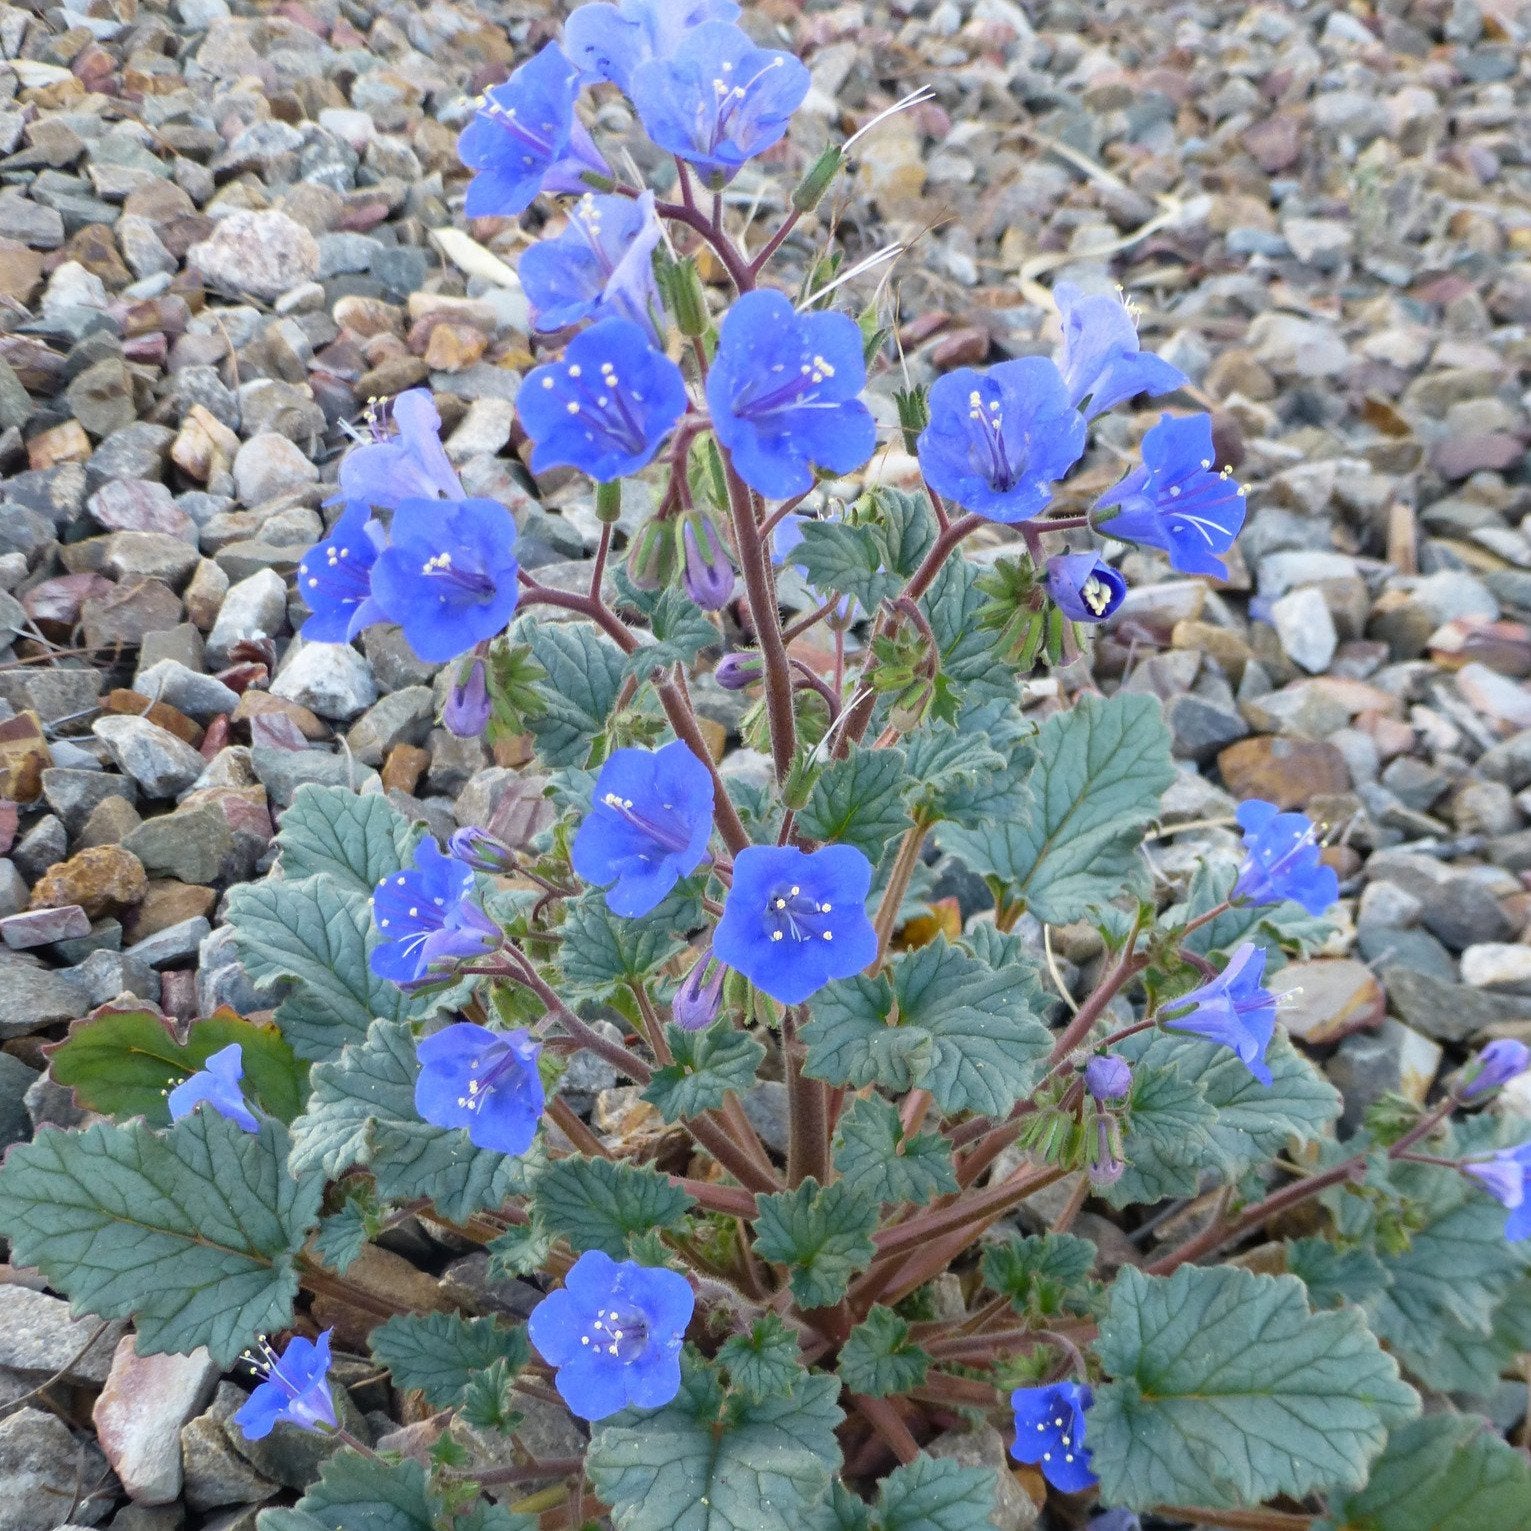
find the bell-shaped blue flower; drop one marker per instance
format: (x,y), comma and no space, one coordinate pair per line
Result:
(1282,860)
(794,920)
(783,393)
(601,265)
(606,407)
(1100,360)
(1176,501)
(426,915)
(525,138)
(335,578)
(296,1389)
(718,100)
(999,439)
(1050,1433)
(216,1084)
(409,464)
(1503,1176)
(448,575)
(608,42)
(614,1332)
(1498,1063)
(1233,1010)
(485,1081)
(1084,587)
(649,822)
(1108,1077)
(468,705)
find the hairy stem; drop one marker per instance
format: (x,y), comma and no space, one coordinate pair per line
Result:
(807,1112)
(905,862)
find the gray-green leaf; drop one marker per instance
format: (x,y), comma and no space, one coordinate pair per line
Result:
(584,674)
(936,1494)
(878,1357)
(824,1236)
(859,801)
(439,1353)
(874,1156)
(356,840)
(708,1064)
(602,1204)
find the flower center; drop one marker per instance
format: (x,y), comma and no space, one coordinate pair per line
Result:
(491,1069)
(1061,1425)
(603,407)
(782,389)
(666,834)
(349,578)
(715,118)
(462,584)
(986,444)
(1192,495)
(620,1331)
(535,143)
(790,915)
(1095,595)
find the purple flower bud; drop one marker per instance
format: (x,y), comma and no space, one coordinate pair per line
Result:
(1107,1078)
(1498,1063)
(1106,1166)
(467,709)
(480,850)
(696,1002)
(1084,587)
(708,576)
(735,672)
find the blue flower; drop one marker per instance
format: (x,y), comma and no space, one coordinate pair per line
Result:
(409,465)
(707,576)
(1084,587)
(1504,1177)
(448,575)
(999,439)
(609,41)
(794,919)
(1282,860)
(601,265)
(649,822)
(1233,1010)
(427,915)
(525,138)
(1175,501)
(606,407)
(335,578)
(1498,1064)
(216,1084)
(1107,1077)
(468,707)
(718,100)
(614,1332)
(1100,360)
(783,394)
(1049,1433)
(486,1081)
(296,1389)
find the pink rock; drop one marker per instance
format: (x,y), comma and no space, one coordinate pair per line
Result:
(139,505)
(1486,451)
(140,1412)
(41,927)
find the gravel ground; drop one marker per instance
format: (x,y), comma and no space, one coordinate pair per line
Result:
(224,228)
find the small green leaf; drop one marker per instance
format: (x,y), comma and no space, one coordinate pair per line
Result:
(1335,1276)
(488,1398)
(875,1158)
(878,1357)
(601,952)
(936,1494)
(344,1234)
(602,1204)
(357,1493)
(767,1360)
(1029,1267)
(823,1235)
(438,1353)
(680,630)
(354,839)
(520,1250)
(859,801)
(584,673)
(708,1064)
(970,674)
(845,560)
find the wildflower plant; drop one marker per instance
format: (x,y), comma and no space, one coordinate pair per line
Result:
(937,1198)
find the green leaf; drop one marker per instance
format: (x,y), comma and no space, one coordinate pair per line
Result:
(123,1063)
(680,630)
(1441,1473)
(859,801)
(601,952)
(905,525)
(710,1463)
(879,1162)
(584,673)
(489,1398)
(520,1250)
(1334,1276)
(708,1064)
(845,560)
(970,673)
(823,1235)
(763,1362)
(960,776)
(438,1353)
(357,1493)
(1229,1391)
(1101,769)
(936,1494)
(944,1021)
(356,840)
(601,1204)
(362,1115)
(1168,1132)
(193,1232)
(344,1234)
(1029,1266)
(878,1357)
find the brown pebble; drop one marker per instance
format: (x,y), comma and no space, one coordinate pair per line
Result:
(104,878)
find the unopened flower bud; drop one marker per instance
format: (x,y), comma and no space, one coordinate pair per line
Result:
(1106,1166)
(696,1002)
(1084,587)
(608,502)
(809,192)
(735,672)
(1107,1078)
(1498,1063)
(468,707)
(707,574)
(913,415)
(651,556)
(480,850)
(687,297)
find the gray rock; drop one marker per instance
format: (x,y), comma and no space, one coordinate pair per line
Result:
(257,255)
(1463,912)
(75,794)
(254,608)
(101,397)
(1448,1012)
(49,1475)
(197,695)
(193,844)
(162,765)
(140,1412)
(1202,727)
(1306,629)
(15,1080)
(269,465)
(14,893)
(43,845)
(40,1338)
(331,679)
(33,997)
(52,694)
(282,772)
(176,943)
(402,717)
(215,1474)
(108,974)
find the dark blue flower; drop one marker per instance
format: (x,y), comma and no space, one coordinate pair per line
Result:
(411,464)
(999,439)
(1049,1433)
(718,100)
(1107,1077)
(1504,1177)
(649,822)
(795,919)
(1498,1063)
(486,1081)
(1233,1010)
(1282,860)
(216,1084)
(609,41)
(335,578)
(600,266)
(695,1006)
(448,575)
(1176,501)
(1084,587)
(296,1389)
(706,573)
(1100,360)
(468,707)
(525,138)
(427,915)
(614,1331)
(606,407)
(783,394)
